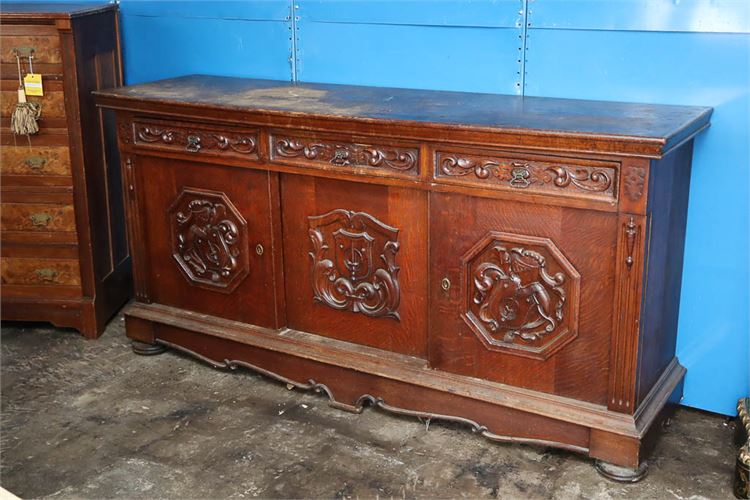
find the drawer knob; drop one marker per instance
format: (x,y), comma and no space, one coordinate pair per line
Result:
(259,249)
(46,275)
(35,163)
(41,219)
(445,284)
(193,143)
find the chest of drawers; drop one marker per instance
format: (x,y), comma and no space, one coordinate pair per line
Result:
(509,263)
(64,253)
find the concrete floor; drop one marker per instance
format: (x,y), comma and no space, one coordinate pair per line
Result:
(89,419)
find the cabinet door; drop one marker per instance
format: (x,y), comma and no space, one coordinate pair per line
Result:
(522,293)
(210,238)
(355,260)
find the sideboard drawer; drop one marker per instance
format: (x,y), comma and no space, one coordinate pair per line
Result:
(354,155)
(37,217)
(52,102)
(35,271)
(521,173)
(201,140)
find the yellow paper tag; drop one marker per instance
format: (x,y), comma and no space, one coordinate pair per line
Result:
(33,84)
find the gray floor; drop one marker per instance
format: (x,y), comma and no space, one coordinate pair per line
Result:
(89,419)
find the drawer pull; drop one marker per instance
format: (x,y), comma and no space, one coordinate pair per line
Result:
(519,176)
(35,163)
(41,219)
(193,143)
(26,51)
(259,249)
(445,284)
(46,275)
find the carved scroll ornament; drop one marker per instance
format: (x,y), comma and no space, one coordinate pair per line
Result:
(354,263)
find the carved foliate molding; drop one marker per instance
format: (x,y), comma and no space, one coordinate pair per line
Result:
(209,239)
(354,263)
(534,175)
(340,153)
(635,181)
(195,140)
(522,294)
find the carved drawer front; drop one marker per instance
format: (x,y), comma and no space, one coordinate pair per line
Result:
(45,48)
(359,155)
(560,177)
(37,217)
(37,161)
(23,271)
(199,140)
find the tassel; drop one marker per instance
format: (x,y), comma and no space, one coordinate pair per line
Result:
(23,120)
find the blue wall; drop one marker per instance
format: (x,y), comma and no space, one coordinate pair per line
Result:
(661,51)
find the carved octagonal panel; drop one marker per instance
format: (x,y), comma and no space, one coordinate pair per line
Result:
(522,294)
(209,239)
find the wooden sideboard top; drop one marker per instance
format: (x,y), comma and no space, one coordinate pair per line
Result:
(657,128)
(62,10)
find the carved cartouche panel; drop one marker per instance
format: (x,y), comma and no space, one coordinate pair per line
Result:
(522,294)
(595,180)
(354,263)
(209,239)
(329,152)
(190,139)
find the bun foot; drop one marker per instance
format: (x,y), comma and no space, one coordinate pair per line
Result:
(144,349)
(621,474)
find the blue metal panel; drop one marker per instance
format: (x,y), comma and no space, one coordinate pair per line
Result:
(727,16)
(410,44)
(710,69)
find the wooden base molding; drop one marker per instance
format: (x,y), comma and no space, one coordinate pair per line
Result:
(353,376)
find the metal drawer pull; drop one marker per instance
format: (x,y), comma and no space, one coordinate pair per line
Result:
(445,284)
(193,143)
(41,219)
(27,51)
(46,275)
(259,249)
(35,163)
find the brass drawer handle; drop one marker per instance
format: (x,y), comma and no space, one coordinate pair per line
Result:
(41,219)
(26,51)
(259,249)
(445,284)
(193,143)
(46,275)
(35,163)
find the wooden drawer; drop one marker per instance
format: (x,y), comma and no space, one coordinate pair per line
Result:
(52,102)
(201,140)
(351,154)
(37,217)
(532,174)
(35,161)
(42,40)
(35,271)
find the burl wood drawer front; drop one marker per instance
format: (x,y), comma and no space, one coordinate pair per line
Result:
(527,174)
(370,156)
(52,102)
(42,41)
(210,242)
(198,139)
(45,272)
(37,217)
(355,259)
(35,161)
(522,294)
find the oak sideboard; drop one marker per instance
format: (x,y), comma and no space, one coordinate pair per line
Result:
(510,263)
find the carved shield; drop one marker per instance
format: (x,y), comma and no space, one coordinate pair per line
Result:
(353,254)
